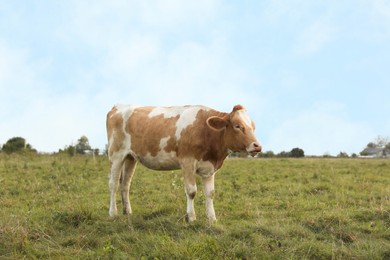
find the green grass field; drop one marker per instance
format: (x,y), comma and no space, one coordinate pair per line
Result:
(57,207)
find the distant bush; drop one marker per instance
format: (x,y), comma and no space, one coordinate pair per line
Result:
(343,155)
(17,144)
(283,154)
(81,147)
(297,152)
(267,154)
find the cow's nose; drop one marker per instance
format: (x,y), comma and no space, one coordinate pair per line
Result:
(257,147)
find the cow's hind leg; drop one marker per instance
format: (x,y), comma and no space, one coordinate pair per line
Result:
(126,177)
(115,174)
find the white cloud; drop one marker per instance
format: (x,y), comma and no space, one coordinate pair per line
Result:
(315,37)
(380,31)
(172,13)
(20,82)
(132,66)
(28,108)
(17,73)
(321,130)
(157,62)
(278,10)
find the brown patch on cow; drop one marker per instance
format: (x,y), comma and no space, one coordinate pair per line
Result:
(171,144)
(200,141)
(114,125)
(217,123)
(146,133)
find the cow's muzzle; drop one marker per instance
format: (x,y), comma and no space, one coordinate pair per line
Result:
(254,148)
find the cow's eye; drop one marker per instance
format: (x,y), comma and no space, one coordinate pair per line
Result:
(240,128)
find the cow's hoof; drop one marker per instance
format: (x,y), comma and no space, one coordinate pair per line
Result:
(190,218)
(212,220)
(127,212)
(113,213)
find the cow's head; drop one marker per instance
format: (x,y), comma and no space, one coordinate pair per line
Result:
(238,130)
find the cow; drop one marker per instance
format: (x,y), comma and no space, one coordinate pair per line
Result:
(196,139)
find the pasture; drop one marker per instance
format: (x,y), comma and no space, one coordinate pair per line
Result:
(55,206)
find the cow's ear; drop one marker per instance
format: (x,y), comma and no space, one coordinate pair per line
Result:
(217,123)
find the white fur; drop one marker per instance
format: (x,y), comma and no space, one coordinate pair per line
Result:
(164,142)
(187,118)
(190,202)
(204,168)
(208,188)
(167,112)
(163,160)
(244,117)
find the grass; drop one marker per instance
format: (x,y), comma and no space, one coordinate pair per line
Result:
(57,207)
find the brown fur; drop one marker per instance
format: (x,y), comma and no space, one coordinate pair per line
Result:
(146,133)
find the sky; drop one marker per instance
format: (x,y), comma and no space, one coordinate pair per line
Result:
(312,74)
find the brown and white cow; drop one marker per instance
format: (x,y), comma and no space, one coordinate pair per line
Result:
(196,139)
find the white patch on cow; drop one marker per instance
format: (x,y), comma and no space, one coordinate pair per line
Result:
(167,112)
(163,160)
(164,142)
(126,111)
(187,115)
(187,118)
(244,117)
(205,168)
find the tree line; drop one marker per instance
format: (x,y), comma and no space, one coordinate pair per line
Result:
(379,148)
(20,145)
(294,153)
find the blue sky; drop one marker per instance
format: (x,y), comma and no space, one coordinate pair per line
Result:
(312,74)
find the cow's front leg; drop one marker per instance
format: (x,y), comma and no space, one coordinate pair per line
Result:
(208,188)
(190,189)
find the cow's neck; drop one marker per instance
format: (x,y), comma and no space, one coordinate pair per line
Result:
(217,150)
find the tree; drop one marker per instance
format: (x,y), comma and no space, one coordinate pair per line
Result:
(380,147)
(83,145)
(386,150)
(297,153)
(283,154)
(381,141)
(267,154)
(342,155)
(17,144)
